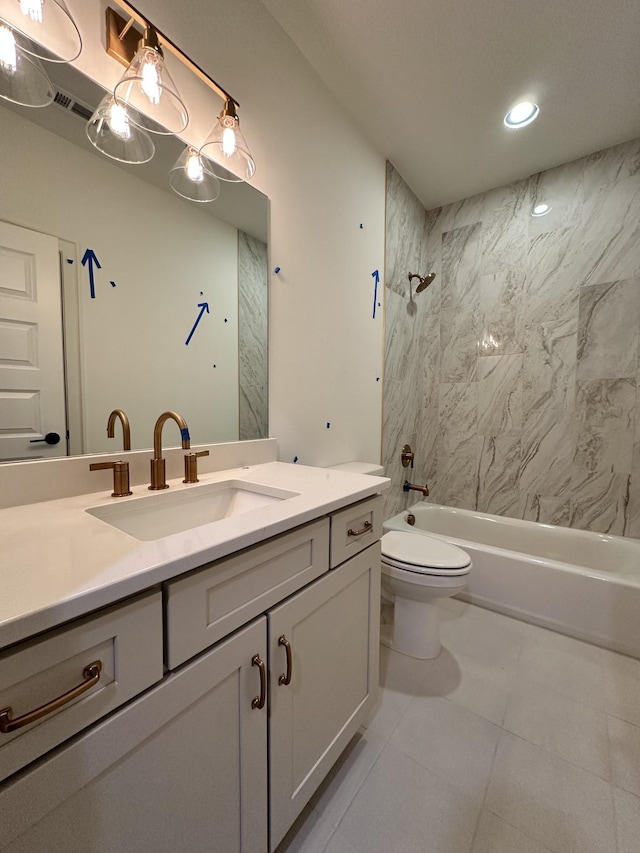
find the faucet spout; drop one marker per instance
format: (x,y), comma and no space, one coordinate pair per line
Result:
(158,476)
(126,429)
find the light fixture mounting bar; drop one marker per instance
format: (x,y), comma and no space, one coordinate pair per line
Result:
(122,43)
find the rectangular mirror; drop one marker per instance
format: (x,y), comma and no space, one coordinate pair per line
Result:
(116,293)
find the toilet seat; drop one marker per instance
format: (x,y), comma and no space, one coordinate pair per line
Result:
(422,555)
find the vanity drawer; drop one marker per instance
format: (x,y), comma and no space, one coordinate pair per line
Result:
(355,528)
(209,604)
(125,638)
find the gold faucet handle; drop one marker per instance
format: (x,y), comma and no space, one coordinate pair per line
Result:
(120,476)
(191,466)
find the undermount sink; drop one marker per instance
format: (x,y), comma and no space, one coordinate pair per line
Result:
(174,512)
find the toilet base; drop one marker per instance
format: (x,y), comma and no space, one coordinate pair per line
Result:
(416,631)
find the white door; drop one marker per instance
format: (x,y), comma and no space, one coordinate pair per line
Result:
(317,704)
(32,401)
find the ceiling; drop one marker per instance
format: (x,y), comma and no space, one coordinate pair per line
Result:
(429,81)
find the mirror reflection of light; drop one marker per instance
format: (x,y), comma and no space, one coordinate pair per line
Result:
(150,78)
(119,121)
(521,115)
(540,210)
(33,9)
(8,55)
(195,170)
(229,142)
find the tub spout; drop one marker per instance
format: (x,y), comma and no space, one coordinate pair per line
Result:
(408,487)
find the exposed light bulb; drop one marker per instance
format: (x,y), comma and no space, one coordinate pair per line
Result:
(32,8)
(8,54)
(229,144)
(194,168)
(119,121)
(150,77)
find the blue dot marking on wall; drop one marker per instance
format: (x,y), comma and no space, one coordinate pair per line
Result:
(361,225)
(203,306)
(112,283)
(69,260)
(277,270)
(375,275)
(295,459)
(328,425)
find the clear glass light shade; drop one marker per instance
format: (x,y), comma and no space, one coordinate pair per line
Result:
(192,178)
(147,87)
(227,149)
(47,24)
(113,132)
(22,80)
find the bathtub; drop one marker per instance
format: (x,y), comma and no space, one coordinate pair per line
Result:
(583,584)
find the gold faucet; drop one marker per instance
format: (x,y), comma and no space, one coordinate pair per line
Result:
(126,429)
(158,476)
(409,487)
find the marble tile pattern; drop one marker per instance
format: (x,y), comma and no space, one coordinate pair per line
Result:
(519,371)
(252,323)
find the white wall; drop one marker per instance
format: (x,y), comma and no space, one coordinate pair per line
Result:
(324,180)
(162,254)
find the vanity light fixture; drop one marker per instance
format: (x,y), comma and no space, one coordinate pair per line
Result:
(47,27)
(227,148)
(113,133)
(22,80)
(191,177)
(521,115)
(147,82)
(541,209)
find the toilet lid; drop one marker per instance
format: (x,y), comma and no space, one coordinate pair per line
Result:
(422,552)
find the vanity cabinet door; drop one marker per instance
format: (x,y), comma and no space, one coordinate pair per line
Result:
(182,768)
(332,628)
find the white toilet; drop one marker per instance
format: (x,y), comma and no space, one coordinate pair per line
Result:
(417,569)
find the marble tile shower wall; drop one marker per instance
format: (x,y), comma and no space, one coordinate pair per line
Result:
(518,375)
(252,343)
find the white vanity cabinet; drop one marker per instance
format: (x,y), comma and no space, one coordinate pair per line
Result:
(182,768)
(332,628)
(272,664)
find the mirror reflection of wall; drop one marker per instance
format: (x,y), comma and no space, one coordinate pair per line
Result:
(167,274)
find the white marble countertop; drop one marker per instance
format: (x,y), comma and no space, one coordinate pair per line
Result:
(57,562)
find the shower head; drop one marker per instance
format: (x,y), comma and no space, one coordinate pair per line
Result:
(423,281)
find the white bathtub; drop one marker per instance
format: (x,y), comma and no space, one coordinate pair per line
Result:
(580,583)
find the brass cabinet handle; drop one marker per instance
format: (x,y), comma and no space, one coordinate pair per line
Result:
(286,678)
(367,527)
(258,701)
(91,675)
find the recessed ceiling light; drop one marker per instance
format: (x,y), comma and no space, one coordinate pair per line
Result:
(540,210)
(521,115)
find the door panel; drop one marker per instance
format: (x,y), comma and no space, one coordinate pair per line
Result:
(333,629)
(32,400)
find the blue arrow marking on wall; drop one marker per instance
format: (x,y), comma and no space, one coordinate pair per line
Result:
(203,306)
(376,276)
(89,257)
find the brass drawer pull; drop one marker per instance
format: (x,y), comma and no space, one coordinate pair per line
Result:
(286,678)
(258,701)
(91,675)
(367,527)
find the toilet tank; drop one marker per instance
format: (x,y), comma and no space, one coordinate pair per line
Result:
(359,468)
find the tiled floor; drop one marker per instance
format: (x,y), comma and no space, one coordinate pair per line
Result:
(514,740)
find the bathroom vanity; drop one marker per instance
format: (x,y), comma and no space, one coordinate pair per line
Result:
(210,677)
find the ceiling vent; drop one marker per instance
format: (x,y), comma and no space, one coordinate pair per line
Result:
(69,103)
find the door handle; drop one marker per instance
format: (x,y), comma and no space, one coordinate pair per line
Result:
(286,678)
(258,701)
(50,438)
